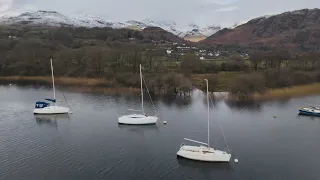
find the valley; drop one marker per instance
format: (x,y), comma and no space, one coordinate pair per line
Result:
(254,53)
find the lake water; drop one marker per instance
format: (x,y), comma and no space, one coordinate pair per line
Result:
(89,144)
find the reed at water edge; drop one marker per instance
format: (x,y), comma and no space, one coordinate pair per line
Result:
(76,84)
(112,87)
(295,91)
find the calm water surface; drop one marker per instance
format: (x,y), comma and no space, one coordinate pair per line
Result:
(89,144)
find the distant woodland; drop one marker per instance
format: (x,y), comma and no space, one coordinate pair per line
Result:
(114,55)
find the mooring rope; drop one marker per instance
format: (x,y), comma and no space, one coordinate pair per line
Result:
(154,108)
(221,129)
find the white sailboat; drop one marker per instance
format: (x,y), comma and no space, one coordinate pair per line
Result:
(203,152)
(311,111)
(45,107)
(138,119)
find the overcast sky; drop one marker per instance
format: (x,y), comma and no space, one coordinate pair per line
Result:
(201,12)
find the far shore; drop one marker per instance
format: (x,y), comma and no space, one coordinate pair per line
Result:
(111,87)
(75,84)
(290,92)
(277,94)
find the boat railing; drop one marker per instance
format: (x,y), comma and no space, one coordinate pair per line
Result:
(134,110)
(196,141)
(310,107)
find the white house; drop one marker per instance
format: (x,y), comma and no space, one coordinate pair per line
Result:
(12,37)
(183,48)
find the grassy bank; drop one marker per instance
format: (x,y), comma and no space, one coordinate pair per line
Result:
(58,80)
(76,84)
(112,87)
(223,80)
(295,91)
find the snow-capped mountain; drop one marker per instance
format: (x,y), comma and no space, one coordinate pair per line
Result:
(139,25)
(53,18)
(166,25)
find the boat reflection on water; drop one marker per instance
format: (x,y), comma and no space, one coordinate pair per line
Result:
(305,117)
(249,106)
(206,166)
(50,120)
(139,129)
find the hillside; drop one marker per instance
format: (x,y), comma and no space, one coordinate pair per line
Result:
(159,34)
(104,53)
(24,49)
(124,35)
(172,66)
(298,30)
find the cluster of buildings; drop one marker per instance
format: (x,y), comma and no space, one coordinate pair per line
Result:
(184,49)
(180,49)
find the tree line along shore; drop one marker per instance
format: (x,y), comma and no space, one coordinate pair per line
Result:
(109,59)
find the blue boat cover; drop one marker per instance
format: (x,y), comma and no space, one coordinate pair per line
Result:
(41,104)
(52,100)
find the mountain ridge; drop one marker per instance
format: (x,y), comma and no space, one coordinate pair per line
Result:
(54,18)
(285,30)
(299,29)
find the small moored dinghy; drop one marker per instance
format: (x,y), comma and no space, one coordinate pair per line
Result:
(311,111)
(45,107)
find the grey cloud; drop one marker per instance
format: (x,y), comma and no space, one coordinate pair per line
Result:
(227,9)
(5,5)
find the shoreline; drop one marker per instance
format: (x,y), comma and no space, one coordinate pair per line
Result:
(75,84)
(111,87)
(290,92)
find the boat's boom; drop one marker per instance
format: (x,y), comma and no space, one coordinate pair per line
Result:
(195,141)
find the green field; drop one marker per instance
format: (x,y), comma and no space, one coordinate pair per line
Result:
(224,80)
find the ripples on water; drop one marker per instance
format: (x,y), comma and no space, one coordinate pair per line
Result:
(89,144)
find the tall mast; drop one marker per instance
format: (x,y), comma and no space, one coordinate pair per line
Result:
(208,112)
(141,90)
(54,89)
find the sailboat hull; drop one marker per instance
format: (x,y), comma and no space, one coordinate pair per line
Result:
(201,153)
(137,119)
(52,110)
(310,111)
